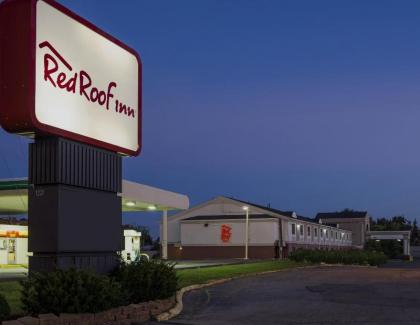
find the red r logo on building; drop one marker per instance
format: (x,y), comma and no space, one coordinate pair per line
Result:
(226,233)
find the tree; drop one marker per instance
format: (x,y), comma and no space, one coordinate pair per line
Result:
(415,234)
(395,223)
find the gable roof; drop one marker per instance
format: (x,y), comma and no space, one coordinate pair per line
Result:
(229,217)
(283,213)
(306,219)
(290,214)
(268,212)
(346,214)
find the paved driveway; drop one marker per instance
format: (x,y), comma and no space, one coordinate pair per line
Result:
(321,295)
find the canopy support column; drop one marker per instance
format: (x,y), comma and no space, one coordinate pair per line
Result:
(165,235)
(406,247)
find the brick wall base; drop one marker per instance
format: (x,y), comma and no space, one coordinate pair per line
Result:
(220,252)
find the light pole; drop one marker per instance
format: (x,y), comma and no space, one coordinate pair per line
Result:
(246,229)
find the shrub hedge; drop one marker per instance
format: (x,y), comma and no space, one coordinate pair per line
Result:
(4,308)
(145,280)
(391,248)
(70,291)
(339,257)
(77,291)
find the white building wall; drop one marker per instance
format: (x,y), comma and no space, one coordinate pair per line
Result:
(261,232)
(21,250)
(3,254)
(216,208)
(326,235)
(221,207)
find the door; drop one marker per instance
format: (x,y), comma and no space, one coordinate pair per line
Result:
(11,256)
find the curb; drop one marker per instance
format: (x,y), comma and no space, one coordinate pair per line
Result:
(177,309)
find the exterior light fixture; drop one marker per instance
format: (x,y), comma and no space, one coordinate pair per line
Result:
(245,208)
(151,207)
(130,204)
(377,240)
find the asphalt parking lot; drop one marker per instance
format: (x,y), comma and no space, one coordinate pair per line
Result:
(320,295)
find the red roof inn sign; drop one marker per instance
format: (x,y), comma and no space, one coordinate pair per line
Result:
(61,75)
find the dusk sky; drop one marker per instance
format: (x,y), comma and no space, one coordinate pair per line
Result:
(308,105)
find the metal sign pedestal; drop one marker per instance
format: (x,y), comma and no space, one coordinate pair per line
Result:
(74,206)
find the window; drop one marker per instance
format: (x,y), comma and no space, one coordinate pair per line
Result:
(293,229)
(322,233)
(336,235)
(301,230)
(309,231)
(326,234)
(315,232)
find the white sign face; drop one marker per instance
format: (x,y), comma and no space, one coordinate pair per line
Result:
(85,83)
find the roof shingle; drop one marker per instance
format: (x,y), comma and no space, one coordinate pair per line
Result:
(346,214)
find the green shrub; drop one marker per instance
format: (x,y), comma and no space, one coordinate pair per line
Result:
(391,248)
(70,291)
(348,257)
(144,280)
(4,308)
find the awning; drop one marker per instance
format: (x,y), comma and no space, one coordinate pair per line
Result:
(135,197)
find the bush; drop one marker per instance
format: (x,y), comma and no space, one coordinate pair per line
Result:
(391,248)
(70,291)
(4,308)
(143,280)
(339,257)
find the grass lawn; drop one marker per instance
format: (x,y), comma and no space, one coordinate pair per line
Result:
(203,275)
(11,289)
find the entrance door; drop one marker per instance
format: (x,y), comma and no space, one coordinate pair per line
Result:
(11,256)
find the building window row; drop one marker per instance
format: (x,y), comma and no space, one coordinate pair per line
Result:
(324,234)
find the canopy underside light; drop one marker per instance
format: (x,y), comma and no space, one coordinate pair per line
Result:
(135,197)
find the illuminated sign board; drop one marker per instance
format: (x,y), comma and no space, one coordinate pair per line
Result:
(60,75)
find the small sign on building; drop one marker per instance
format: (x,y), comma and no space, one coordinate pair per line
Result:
(226,233)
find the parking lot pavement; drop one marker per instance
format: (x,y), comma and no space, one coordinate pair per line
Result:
(13,273)
(321,295)
(415,264)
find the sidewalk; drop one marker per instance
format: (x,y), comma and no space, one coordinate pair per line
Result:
(194,264)
(13,273)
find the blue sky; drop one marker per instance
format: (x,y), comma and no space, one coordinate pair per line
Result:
(307,105)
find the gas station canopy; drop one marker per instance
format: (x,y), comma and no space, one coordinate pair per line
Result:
(135,197)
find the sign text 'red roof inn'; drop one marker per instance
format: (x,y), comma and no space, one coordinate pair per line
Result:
(61,75)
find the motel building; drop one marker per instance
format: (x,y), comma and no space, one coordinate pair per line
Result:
(217,229)
(135,198)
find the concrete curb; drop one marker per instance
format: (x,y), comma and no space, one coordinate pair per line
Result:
(177,309)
